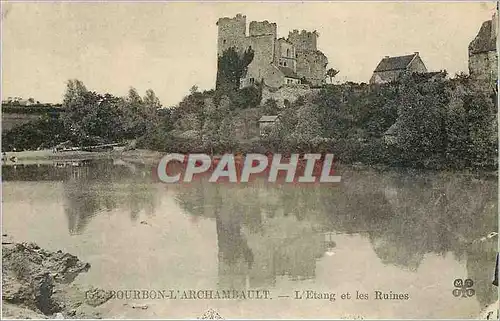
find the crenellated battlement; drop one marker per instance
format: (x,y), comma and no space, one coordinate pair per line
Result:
(294,58)
(239,18)
(259,28)
(304,40)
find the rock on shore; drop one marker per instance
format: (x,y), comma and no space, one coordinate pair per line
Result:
(37,283)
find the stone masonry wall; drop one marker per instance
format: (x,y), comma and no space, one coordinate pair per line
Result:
(290,93)
(484,66)
(304,40)
(263,47)
(232,33)
(312,66)
(259,28)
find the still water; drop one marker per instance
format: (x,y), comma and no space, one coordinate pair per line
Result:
(403,232)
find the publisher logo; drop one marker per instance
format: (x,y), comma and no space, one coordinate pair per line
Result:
(463,288)
(293,168)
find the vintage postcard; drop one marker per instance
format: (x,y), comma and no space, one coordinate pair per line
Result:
(249,160)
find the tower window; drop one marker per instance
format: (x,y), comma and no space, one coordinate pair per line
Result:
(296,55)
(288,52)
(284,63)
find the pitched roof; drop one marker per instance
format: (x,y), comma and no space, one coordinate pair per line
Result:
(393,130)
(483,42)
(268,118)
(395,63)
(288,72)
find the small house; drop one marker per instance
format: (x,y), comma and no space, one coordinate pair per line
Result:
(266,122)
(390,136)
(391,68)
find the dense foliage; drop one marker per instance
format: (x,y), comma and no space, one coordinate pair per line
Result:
(231,67)
(44,133)
(421,121)
(90,118)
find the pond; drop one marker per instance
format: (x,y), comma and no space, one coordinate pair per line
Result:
(399,235)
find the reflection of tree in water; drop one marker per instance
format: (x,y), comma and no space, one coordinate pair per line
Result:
(481,259)
(100,186)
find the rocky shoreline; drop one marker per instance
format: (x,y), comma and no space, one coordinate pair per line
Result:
(37,284)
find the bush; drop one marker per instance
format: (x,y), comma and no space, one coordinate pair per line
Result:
(43,133)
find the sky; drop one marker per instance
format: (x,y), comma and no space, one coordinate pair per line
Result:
(169,47)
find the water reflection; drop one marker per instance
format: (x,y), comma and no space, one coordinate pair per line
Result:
(271,231)
(92,187)
(267,232)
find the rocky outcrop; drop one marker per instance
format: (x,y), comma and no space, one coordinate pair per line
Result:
(37,283)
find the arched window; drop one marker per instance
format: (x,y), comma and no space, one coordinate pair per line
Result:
(284,63)
(288,52)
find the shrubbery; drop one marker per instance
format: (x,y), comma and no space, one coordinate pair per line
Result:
(442,123)
(435,122)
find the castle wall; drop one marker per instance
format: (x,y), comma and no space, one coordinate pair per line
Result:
(263,47)
(484,66)
(298,53)
(273,76)
(260,28)
(304,40)
(232,33)
(285,54)
(290,93)
(312,66)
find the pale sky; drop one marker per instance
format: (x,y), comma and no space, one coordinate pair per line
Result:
(170,47)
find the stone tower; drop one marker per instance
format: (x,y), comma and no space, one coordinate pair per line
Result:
(311,63)
(304,40)
(231,33)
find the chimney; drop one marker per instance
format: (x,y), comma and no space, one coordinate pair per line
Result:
(416,53)
(386,57)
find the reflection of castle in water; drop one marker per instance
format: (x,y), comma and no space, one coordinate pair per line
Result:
(265,232)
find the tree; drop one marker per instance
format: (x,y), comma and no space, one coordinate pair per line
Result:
(308,128)
(76,107)
(231,67)
(193,89)
(332,73)
(481,117)
(150,111)
(270,107)
(422,134)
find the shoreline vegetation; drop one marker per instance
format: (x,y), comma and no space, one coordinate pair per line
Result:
(152,158)
(422,121)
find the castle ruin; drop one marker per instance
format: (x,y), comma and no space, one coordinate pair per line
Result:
(483,56)
(277,61)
